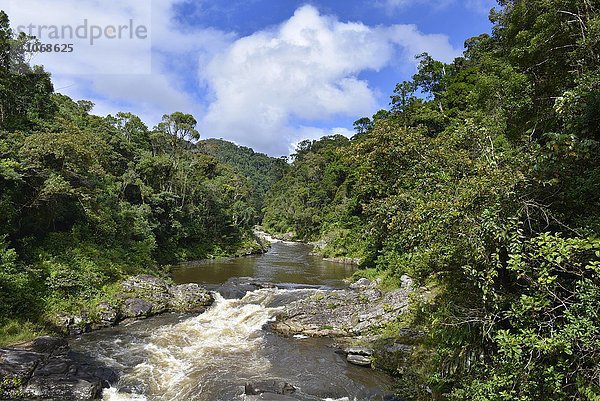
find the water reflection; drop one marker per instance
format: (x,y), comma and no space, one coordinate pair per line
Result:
(284,263)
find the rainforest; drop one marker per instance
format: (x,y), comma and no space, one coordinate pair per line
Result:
(480,182)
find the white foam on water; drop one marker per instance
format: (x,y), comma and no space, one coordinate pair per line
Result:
(112,394)
(180,355)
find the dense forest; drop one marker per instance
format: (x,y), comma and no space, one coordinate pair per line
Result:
(261,170)
(482,182)
(87,200)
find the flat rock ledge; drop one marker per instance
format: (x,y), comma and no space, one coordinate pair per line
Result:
(47,369)
(355,317)
(357,311)
(141,297)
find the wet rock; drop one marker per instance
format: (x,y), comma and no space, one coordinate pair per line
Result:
(137,308)
(189,298)
(268,386)
(47,345)
(58,388)
(341,313)
(46,369)
(361,360)
(237,287)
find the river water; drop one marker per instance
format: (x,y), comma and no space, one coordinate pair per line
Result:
(211,356)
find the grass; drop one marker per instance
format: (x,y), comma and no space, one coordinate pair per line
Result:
(15,331)
(389,282)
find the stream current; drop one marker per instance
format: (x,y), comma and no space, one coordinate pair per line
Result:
(211,356)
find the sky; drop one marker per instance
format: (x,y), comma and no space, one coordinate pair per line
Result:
(261,73)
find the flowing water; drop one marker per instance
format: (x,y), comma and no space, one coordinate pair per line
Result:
(211,356)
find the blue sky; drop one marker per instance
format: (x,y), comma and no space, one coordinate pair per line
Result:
(262,73)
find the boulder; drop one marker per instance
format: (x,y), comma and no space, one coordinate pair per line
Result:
(137,308)
(268,386)
(341,313)
(361,360)
(359,355)
(72,324)
(46,369)
(149,288)
(189,298)
(108,314)
(361,283)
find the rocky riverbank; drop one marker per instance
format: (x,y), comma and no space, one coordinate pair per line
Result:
(47,369)
(140,297)
(355,317)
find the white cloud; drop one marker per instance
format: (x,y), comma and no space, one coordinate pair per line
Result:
(305,69)
(145,77)
(263,89)
(115,49)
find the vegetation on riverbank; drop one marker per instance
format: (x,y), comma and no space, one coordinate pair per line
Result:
(481,181)
(86,201)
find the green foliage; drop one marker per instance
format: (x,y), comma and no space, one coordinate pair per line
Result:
(262,171)
(86,201)
(299,202)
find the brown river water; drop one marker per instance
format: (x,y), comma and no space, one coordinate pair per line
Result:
(211,356)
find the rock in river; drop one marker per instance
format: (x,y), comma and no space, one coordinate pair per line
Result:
(268,386)
(46,369)
(142,296)
(343,313)
(189,298)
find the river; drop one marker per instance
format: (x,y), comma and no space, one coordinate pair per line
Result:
(211,356)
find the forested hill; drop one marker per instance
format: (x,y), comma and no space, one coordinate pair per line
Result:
(261,170)
(482,182)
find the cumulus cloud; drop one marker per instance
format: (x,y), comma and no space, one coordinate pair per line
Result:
(267,90)
(146,77)
(305,69)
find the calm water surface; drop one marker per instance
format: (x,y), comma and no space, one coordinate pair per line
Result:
(284,263)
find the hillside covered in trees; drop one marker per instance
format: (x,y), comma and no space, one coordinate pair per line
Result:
(261,170)
(482,182)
